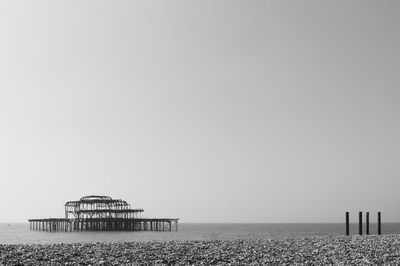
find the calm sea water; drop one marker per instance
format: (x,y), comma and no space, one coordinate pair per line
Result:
(20,233)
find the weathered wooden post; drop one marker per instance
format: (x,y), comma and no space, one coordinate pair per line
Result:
(360,223)
(347,224)
(379,224)
(367,223)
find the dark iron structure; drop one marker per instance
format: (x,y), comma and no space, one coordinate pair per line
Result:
(102,213)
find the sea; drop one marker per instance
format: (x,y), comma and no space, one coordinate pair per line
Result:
(19,233)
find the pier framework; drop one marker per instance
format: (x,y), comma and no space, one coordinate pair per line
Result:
(102,213)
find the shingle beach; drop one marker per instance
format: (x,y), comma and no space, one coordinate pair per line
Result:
(334,250)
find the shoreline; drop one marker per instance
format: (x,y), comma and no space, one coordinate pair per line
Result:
(373,249)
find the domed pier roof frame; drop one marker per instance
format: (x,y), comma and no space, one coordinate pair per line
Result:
(100,207)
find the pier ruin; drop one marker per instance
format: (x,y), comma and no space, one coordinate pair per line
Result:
(102,213)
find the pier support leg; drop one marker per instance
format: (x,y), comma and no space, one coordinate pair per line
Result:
(379,224)
(367,223)
(347,224)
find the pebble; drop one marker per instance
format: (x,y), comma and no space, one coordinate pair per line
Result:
(331,250)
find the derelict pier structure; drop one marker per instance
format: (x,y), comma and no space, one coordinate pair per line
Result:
(102,213)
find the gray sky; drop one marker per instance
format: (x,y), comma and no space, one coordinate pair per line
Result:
(210,111)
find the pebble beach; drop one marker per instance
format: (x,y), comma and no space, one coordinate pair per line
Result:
(327,250)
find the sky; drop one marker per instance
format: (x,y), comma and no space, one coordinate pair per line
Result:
(208,111)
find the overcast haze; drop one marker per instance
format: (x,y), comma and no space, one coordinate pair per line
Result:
(210,111)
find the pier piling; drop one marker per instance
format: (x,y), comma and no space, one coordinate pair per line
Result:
(379,224)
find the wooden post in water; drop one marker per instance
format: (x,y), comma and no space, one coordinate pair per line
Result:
(360,223)
(367,223)
(379,224)
(347,224)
